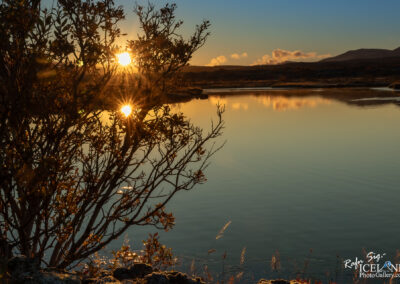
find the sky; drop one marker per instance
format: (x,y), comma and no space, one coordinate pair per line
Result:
(271,31)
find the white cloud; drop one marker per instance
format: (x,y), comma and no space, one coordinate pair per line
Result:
(239,56)
(280,55)
(217,61)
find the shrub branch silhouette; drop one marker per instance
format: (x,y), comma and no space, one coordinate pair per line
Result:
(74,177)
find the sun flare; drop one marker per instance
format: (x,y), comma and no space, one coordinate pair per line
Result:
(124,58)
(126,110)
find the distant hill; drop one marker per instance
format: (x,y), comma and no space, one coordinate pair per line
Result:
(371,72)
(355,68)
(364,54)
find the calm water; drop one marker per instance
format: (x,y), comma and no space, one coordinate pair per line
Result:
(309,176)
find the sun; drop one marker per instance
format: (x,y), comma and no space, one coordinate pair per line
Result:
(126,110)
(124,58)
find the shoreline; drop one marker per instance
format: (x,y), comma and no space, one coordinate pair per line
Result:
(298,85)
(360,95)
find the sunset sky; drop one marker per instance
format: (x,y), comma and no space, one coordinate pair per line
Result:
(247,32)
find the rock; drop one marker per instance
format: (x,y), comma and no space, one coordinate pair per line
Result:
(86,280)
(156,278)
(104,273)
(21,265)
(395,85)
(27,270)
(122,273)
(47,277)
(138,270)
(171,277)
(107,279)
(278,281)
(141,269)
(55,277)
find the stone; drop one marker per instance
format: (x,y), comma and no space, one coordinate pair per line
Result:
(21,264)
(138,270)
(27,270)
(156,278)
(278,281)
(86,280)
(107,279)
(55,277)
(395,85)
(122,273)
(171,277)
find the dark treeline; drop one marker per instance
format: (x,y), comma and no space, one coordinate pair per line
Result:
(373,72)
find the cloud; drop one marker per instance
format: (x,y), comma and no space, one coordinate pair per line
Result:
(217,61)
(239,56)
(280,55)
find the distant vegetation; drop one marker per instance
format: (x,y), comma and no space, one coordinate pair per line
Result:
(369,72)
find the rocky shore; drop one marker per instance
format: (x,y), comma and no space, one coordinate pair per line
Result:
(23,270)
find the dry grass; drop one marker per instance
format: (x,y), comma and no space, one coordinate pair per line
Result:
(221,232)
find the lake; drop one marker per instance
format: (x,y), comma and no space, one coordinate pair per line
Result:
(308,176)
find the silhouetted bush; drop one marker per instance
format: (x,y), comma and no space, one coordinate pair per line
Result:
(74,177)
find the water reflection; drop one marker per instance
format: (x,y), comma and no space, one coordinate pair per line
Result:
(292,99)
(301,170)
(277,103)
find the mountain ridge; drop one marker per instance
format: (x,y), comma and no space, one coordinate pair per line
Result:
(364,53)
